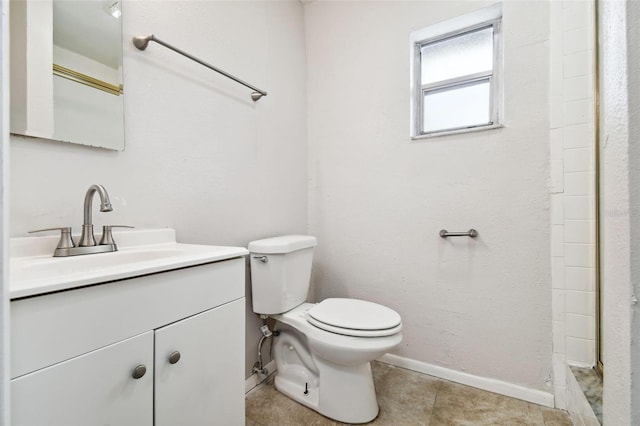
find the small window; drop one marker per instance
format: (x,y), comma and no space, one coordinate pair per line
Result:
(456,69)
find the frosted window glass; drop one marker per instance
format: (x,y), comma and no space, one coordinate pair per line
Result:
(457,107)
(458,56)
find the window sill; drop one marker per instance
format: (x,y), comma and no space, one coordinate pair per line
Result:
(457,132)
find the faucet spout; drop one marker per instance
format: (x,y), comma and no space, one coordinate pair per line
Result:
(87,239)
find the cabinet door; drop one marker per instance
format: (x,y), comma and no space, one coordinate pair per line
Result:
(206,385)
(96,388)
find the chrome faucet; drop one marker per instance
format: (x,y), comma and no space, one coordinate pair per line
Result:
(87,244)
(87,239)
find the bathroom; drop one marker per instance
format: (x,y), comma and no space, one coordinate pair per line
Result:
(328,152)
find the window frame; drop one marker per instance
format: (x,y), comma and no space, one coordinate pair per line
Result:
(475,21)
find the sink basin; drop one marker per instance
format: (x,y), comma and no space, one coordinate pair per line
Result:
(34,271)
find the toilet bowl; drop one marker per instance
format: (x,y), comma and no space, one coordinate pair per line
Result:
(307,356)
(323,351)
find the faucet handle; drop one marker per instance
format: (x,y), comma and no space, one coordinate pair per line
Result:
(107,236)
(66,241)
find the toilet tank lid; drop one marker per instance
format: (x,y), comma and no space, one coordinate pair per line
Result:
(283,244)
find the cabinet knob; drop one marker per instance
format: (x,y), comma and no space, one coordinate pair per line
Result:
(174,357)
(139,371)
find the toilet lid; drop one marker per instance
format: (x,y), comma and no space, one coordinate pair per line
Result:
(354,317)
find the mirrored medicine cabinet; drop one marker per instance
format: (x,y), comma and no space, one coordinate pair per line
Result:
(66,71)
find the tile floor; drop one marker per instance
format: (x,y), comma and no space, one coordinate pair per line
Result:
(409,398)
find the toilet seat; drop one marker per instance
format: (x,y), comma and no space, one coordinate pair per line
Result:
(354,317)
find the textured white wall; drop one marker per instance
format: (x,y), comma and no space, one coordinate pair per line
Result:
(200,156)
(633,38)
(616,311)
(620,160)
(31,59)
(4,214)
(377,200)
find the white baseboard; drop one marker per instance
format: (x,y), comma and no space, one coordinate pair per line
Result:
(255,379)
(492,385)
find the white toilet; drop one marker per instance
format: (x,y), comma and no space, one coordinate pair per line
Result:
(323,351)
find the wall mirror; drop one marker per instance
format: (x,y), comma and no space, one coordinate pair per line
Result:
(66,71)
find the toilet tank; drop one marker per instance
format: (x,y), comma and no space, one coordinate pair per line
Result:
(280,272)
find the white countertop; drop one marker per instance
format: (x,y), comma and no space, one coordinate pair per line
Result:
(34,271)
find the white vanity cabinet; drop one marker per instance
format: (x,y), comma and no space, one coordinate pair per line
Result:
(198,385)
(74,352)
(91,389)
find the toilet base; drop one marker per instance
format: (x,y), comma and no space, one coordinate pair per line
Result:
(345,394)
